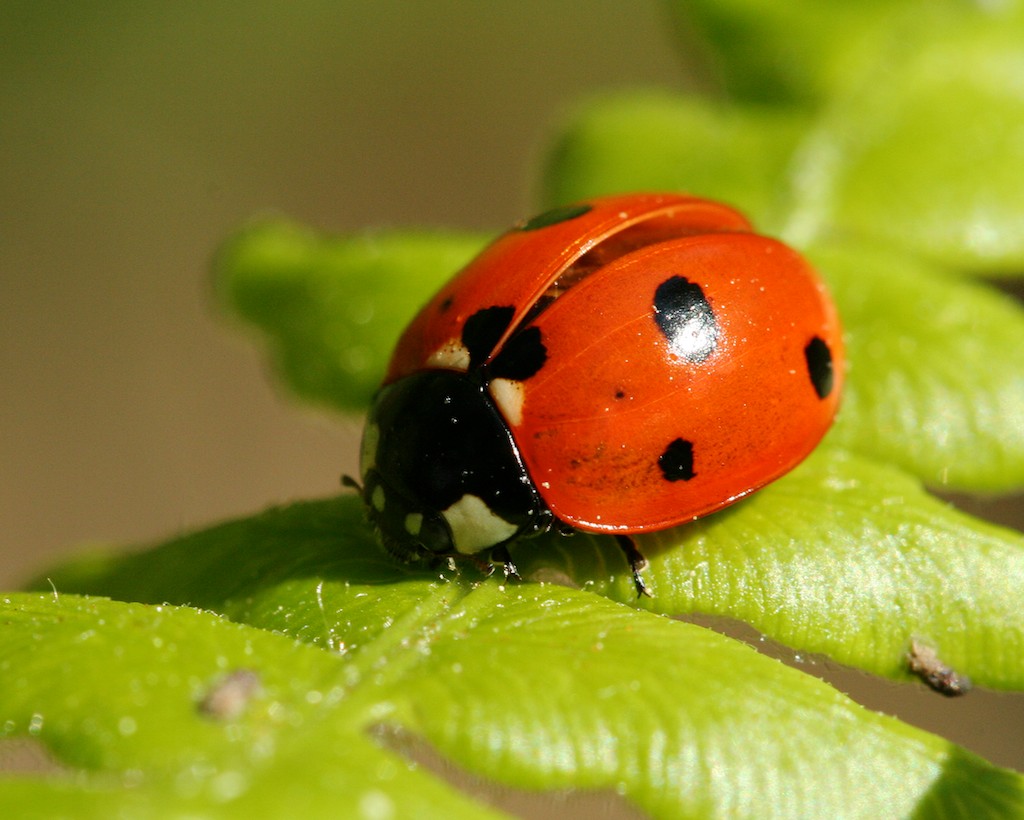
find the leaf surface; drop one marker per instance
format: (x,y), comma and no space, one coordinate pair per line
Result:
(602,697)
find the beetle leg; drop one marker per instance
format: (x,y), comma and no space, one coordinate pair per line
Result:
(486,568)
(500,554)
(637,563)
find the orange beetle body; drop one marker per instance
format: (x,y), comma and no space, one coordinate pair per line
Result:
(639,361)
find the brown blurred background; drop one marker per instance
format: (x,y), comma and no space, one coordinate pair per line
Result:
(134,137)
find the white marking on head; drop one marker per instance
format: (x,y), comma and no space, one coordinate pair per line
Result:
(413,524)
(368,449)
(508,395)
(377,498)
(452,355)
(474,525)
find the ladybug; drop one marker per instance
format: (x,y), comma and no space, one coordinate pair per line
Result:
(617,366)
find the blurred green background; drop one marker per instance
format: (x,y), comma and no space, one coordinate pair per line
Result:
(136,136)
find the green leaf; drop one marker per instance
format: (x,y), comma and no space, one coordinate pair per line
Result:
(332,308)
(852,560)
(280,570)
(842,557)
(670,715)
(936,369)
(916,146)
(922,148)
(780,52)
(660,141)
(130,720)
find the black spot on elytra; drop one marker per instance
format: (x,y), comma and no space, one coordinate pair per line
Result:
(521,357)
(685,317)
(445,305)
(676,462)
(819,366)
(483,330)
(554,216)
(620,394)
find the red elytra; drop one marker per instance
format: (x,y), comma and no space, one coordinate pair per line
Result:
(688,361)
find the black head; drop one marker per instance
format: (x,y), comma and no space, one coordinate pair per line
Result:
(441,473)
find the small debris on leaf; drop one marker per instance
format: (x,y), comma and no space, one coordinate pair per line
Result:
(229,696)
(924,661)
